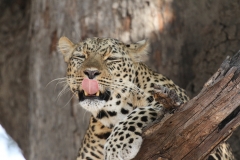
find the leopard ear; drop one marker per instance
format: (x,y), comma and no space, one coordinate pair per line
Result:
(138,50)
(66,47)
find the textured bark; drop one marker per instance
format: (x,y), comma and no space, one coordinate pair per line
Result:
(200,124)
(188,41)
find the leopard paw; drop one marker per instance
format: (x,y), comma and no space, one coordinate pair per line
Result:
(168,97)
(122,146)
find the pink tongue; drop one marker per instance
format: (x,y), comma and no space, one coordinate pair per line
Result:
(90,86)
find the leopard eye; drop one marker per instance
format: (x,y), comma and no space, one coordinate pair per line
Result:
(112,58)
(80,56)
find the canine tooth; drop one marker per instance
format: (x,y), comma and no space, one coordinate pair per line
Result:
(98,93)
(85,93)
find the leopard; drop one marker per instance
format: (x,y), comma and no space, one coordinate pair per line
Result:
(111,81)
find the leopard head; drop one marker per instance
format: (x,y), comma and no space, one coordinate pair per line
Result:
(101,70)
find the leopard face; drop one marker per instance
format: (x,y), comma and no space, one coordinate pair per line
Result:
(101,72)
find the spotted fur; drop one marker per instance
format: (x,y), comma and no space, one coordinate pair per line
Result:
(125,103)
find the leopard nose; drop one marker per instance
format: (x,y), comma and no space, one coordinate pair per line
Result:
(91,73)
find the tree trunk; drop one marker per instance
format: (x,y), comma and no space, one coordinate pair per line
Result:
(200,124)
(188,41)
(57,124)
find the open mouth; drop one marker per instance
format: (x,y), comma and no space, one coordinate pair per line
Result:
(90,90)
(83,95)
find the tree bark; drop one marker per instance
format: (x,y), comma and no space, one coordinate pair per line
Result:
(200,124)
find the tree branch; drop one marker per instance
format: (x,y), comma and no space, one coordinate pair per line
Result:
(198,126)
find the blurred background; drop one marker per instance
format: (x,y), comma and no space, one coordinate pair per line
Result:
(188,42)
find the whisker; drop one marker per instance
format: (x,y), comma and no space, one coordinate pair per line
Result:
(66,91)
(65,78)
(60,82)
(63,91)
(68,101)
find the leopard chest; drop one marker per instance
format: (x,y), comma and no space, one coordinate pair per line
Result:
(113,112)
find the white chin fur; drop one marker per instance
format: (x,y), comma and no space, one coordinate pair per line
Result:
(92,105)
